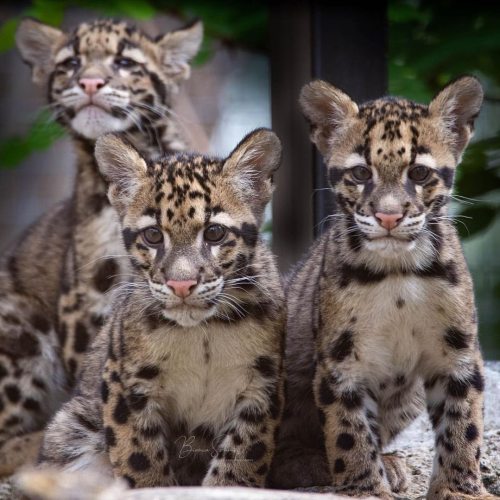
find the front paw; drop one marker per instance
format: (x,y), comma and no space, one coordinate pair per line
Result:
(396,471)
(447,493)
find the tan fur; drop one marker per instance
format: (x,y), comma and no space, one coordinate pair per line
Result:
(184,391)
(55,279)
(374,315)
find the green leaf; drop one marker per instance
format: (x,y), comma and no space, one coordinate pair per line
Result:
(481,216)
(41,135)
(7,34)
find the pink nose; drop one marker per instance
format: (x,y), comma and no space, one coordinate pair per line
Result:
(91,85)
(182,288)
(388,221)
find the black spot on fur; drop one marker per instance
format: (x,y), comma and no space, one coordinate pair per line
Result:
(400,303)
(105,275)
(13,393)
(31,404)
(447,174)
(130,480)
(3,372)
(352,399)
(359,274)
(477,379)
(82,338)
(249,233)
(342,347)
(326,395)
(456,339)
(40,323)
(256,451)
(148,372)
(252,415)
(137,402)
(13,420)
(129,237)
(345,441)
(139,462)
(104,391)
(471,433)
(28,344)
(339,466)
(110,437)
(88,424)
(265,365)
(121,411)
(400,380)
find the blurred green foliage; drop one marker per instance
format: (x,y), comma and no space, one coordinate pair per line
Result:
(231,22)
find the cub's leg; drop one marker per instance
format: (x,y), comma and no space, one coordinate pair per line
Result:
(245,453)
(32,378)
(352,434)
(135,431)
(455,404)
(400,402)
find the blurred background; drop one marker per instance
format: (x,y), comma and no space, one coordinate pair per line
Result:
(255,57)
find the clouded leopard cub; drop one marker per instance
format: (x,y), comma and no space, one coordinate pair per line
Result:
(183,382)
(381,313)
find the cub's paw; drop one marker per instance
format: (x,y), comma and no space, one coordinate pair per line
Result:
(444,493)
(230,479)
(397,473)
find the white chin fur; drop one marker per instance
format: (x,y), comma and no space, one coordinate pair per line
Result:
(92,122)
(188,316)
(389,247)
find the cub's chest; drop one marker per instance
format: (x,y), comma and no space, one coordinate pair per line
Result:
(203,373)
(396,321)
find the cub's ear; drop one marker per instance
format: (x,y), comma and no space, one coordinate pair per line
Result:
(37,43)
(251,166)
(328,110)
(177,48)
(458,105)
(122,166)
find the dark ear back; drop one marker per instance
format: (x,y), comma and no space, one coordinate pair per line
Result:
(329,110)
(458,105)
(177,48)
(122,166)
(251,166)
(37,42)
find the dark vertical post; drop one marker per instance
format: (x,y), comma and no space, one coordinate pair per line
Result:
(344,43)
(290,44)
(349,50)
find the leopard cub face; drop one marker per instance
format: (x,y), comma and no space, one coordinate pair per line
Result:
(391,162)
(191,223)
(107,76)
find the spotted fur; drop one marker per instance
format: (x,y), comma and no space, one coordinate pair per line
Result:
(381,319)
(184,390)
(54,281)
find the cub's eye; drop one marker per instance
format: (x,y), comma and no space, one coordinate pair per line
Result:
(215,233)
(152,236)
(70,63)
(361,173)
(419,173)
(125,62)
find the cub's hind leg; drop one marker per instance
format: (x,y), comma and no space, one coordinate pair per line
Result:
(32,379)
